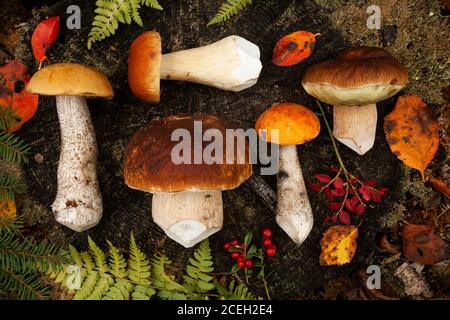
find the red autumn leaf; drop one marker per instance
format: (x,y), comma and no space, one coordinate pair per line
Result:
(383,191)
(338,192)
(293,48)
(23,103)
(360,208)
(43,38)
(328,193)
(335,206)
(315,187)
(323,178)
(376,196)
(344,218)
(334,169)
(371,183)
(329,219)
(422,245)
(365,192)
(350,205)
(338,183)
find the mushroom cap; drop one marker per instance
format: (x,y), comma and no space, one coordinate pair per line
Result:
(149,167)
(144,65)
(70,79)
(358,76)
(296,123)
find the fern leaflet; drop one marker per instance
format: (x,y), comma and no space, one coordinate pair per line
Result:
(228,9)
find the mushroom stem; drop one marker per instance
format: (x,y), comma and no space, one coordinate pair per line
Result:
(188,217)
(78,203)
(229,64)
(355,126)
(294,213)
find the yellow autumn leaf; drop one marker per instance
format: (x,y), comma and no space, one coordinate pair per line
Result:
(8,208)
(338,245)
(412,132)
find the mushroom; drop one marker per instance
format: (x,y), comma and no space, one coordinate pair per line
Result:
(290,124)
(353,83)
(78,203)
(230,64)
(187,196)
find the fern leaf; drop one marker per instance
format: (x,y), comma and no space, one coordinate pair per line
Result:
(228,9)
(239,292)
(141,292)
(117,262)
(198,272)
(76,256)
(152,4)
(87,286)
(134,11)
(119,291)
(138,264)
(99,256)
(10,184)
(165,283)
(87,260)
(101,288)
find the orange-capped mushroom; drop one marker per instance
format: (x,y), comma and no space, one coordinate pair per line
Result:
(289,124)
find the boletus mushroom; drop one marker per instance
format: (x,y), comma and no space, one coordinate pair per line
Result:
(353,83)
(230,64)
(78,204)
(290,124)
(187,195)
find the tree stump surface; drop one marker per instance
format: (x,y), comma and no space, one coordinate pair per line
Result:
(182,25)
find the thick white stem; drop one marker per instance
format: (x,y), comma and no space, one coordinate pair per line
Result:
(78,203)
(294,213)
(188,217)
(355,126)
(229,64)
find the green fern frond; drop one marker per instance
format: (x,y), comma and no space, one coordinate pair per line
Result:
(228,9)
(10,184)
(138,264)
(87,286)
(109,13)
(233,292)
(99,256)
(152,4)
(200,268)
(168,288)
(117,262)
(13,149)
(8,118)
(119,291)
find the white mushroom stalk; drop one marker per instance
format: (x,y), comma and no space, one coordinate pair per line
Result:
(78,203)
(188,217)
(231,64)
(355,126)
(294,213)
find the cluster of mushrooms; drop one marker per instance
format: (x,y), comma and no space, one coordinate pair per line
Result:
(187,198)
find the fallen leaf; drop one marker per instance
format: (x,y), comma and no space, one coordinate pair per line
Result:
(439,185)
(8,208)
(43,38)
(338,245)
(384,244)
(293,48)
(412,132)
(422,245)
(24,104)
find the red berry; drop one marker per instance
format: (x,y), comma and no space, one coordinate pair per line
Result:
(267,243)
(235,242)
(271,251)
(249,264)
(227,246)
(267,232)
(235,255)
(241,264)
(241,259)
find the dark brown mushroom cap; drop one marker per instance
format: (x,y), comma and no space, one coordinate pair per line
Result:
(357,76)
(149,167)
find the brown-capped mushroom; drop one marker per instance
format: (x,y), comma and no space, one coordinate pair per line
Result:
(353,83)
(230,64)
(187,197)
(78,204)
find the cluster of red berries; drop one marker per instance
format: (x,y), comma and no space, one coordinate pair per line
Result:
(239,250)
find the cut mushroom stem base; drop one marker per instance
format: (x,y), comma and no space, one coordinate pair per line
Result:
(78,204)
(355,126)
(188,217)
(294,213)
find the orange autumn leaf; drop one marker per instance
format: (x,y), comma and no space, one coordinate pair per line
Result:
(7,208)
(294,48)
(412,132)
(22,102)
(338,245)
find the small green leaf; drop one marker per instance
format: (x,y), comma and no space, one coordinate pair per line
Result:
(248,239)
